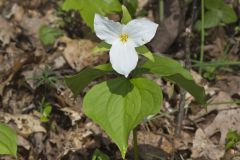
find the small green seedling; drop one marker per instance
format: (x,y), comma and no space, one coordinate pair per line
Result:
(48,35)
(217,13)
(46,109)
(233,137)
(47,77)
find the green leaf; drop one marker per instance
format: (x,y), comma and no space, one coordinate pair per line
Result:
(8,140)
(126,15)
(47,110)
(228,14)
(131,6)
(143,50)
(48,35)
(212,18)
(119,105)
(88,8)
(213,4)
(233,137)
(173,71)
(79,81)
(98,155)
(101,47)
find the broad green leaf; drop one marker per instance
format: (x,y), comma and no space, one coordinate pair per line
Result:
(88,8)
(143,50)
(229,15)
(8,140)
(126,15)
(131,6)
(98,155)
(212,18)
(173,71)
(48,35)
(213,4)
(79,81)
(119,105)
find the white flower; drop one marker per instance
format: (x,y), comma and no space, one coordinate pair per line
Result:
(124,39)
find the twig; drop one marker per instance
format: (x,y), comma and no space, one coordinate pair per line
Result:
(188,66)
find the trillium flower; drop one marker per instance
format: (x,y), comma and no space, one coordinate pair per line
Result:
(124,39)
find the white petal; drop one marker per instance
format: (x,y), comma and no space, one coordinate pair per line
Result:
(140,31)
(123,57)
(106,29)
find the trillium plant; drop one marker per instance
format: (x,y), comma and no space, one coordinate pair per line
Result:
(121,103)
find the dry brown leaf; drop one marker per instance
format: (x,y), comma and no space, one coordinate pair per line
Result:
(227,118)
(7,32)
(16,100)
(26,124)
(23,142)
(229,84)
(78,53)
(204,148)
(33,3)
(17,12)
(73,115)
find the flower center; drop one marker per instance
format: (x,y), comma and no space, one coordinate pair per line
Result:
(123,38)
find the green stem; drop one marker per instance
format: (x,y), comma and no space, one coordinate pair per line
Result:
(135,144)
(202,33)
(161,10)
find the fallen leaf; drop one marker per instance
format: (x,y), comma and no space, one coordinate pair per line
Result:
(227,118)
(7,31)
(228,83)
(23,142)
(204,148)
(79,55)
(26,124)
(73,115)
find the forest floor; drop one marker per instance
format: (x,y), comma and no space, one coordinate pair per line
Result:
(31,84)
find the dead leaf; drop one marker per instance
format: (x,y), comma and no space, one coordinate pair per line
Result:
(229,84)
(17,12)
(73,115)
(26,124)
(79,55)
(7,32)
(204,148)
(227,118)
(23,142)
(16,100)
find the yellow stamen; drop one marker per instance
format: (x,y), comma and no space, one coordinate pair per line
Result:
(123,38)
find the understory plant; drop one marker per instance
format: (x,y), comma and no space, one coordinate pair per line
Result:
(121,103)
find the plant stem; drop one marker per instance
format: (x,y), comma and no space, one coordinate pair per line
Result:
(135,144)
(188,40)
(161,10)
(202,34)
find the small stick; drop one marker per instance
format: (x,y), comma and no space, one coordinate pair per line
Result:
(188,66)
